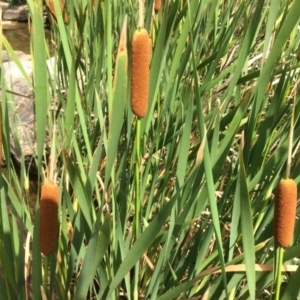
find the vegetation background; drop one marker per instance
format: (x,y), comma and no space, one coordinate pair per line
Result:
(177,205)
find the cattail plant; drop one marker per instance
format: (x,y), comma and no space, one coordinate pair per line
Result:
(284,213)
(0,134)
(285,210)
(141,52)
(49,203)
(157,5)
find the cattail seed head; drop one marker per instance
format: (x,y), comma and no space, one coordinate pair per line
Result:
(49,203)
(157,5)
(51,7)
(285,211)
(140,60)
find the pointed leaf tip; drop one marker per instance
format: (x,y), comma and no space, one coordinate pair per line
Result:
(123,37)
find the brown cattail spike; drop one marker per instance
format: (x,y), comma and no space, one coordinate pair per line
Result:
(49,217)
(285,211)
(157,5)
(140,60)
(50,5)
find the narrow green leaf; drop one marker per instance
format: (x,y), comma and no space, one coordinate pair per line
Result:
(116,113)
(290,22)
(247,229)
(141,245)
(40,74)
(91,179)
(36,258)
(79,189)
(249,39)
(95,251)
(70,107)
(6,259)
(292,288)
(208,167)
(184,146)
(235,218)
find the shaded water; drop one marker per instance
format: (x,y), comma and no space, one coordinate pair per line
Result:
(18,36)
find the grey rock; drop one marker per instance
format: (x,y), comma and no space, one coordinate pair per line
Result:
(21,55)
(4,5)
(13,25)
(20,99)
(20,106)
(16,13)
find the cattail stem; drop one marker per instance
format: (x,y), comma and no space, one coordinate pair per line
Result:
(141,13)
(290,147)
(137,178)
(52,155)
(279,253)
(45,279)
(136,281)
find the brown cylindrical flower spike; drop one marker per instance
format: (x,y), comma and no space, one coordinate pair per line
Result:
(51,7)
(285,211)
(140,60)
(49,203)
(157,5)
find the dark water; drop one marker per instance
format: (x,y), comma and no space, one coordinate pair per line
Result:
(19,37)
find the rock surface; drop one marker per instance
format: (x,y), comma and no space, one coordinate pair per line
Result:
(20,99)
(16,13)
(12,25)
(20,105)
(4,5)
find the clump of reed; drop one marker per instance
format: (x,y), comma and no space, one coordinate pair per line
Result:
(284,211)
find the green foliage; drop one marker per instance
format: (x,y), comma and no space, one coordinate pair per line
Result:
(211,150)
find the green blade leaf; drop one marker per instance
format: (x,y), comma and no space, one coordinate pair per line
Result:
(247,229)
(41,88)
(142,244)
(96,249)
(116,112)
